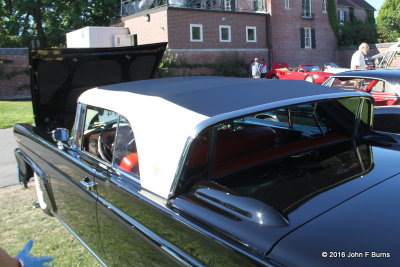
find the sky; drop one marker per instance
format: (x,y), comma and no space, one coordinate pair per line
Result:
(376,4)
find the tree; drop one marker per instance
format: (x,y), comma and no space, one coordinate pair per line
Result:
(48,21)
(388,21)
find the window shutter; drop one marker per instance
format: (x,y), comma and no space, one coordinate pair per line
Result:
(338,17)
(313,45)
(302,37)
(344,17)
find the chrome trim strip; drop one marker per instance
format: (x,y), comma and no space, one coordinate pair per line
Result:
(185,221)
(172,250)
(80,240)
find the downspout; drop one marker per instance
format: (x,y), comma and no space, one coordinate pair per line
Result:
(267,35)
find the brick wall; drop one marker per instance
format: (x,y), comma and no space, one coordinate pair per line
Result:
(286,39)
(152,31)
(17,86)
(172,25)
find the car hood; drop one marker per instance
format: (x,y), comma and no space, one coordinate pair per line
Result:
(362,231)
(59,76)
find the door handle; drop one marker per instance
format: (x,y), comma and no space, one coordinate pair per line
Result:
(87,183)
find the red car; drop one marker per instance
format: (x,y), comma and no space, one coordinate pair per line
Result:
(383,85)
(306,72)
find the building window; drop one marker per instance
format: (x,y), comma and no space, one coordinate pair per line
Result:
(196,32)
(224,33)
(342,17)
(228,4)
(324,7)
(306,8)
(287,4)
(307,36)
(251,34)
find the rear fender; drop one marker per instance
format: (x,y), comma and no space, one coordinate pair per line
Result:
(24,171)
(26,168)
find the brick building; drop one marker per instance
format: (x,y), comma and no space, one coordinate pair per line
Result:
(300,32)
(290,31)
(14,82)
(347,7)
(202,30)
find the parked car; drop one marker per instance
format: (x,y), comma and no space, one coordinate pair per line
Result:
(390,59)
(384,85)
(207,171)
(332,67)
(306,72)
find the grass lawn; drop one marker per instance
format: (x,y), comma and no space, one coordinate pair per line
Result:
(20,222)
(12,112)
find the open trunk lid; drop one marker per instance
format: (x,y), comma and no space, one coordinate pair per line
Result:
(59,76)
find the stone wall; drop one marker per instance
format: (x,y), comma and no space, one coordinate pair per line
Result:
(16,66)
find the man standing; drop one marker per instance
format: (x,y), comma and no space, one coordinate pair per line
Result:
(263,68)
(358,59)
(255,69)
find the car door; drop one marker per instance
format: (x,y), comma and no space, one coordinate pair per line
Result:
(71,178)
(137,228)
(74,184)
(122,212)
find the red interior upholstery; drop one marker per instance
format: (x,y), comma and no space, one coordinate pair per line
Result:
(232,144)
(277,152)
(129,162)
(253,145)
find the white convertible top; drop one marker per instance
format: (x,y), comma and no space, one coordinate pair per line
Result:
(164,113)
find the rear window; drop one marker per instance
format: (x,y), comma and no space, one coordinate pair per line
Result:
(255,153)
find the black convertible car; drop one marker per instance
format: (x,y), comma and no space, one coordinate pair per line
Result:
(208,171)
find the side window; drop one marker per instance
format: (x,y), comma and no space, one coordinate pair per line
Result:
(125,152)
(382,87)
(99,132)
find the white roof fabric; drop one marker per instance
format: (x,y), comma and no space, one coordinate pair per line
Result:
(163,113)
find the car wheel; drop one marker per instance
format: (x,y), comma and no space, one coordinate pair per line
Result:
(309,79)
(274,77)
(40,195)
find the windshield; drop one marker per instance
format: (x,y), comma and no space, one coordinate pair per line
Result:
(311,68)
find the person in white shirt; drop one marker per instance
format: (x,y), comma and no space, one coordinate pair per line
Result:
(358,58)
(256,69)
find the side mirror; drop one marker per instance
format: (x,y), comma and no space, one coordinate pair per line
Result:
(60,135)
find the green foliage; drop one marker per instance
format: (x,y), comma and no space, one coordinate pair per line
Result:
(48,21)
(388,21)
(370,16)
(170,62)
(357,33)
(353,17)
(230,65)
(333,20)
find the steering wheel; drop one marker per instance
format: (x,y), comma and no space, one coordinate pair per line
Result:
(105,148)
